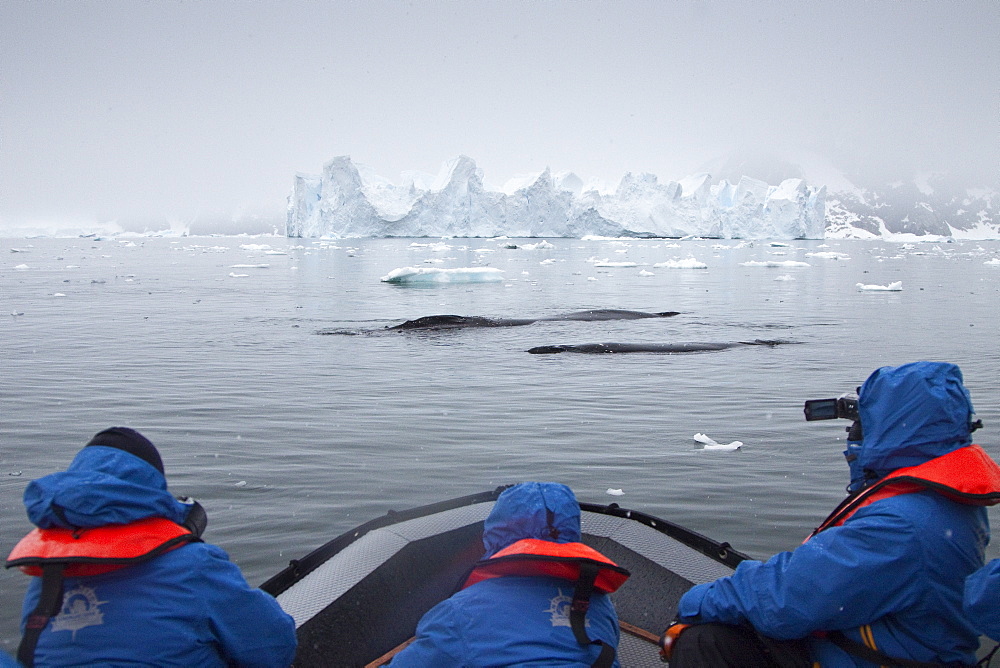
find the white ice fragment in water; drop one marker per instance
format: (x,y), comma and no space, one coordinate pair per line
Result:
(241,483)
(58,294)
(434,275)
(643,272)
(710,443)
(249,266)
(785,277)
(995,262)
(235,275)
(607,263)
(548,261)
(830,255)
(538,246)
(615,492)
(771,264)
(21,266)
(689,263)
(892,287)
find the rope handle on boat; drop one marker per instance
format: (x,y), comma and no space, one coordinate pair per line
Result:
(640,633)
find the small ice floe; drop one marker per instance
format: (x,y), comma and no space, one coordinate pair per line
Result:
(22,266)
(892,287)
(830,255)
(429,275)
(608,263)
(18,473)
(995,262)
(233,274)
(643,272)
(58,294)
(16,313)
(615,492)
(539,246)
(689,263)
(785,277)
(771,264)
(241,483)
(249,266)
(710,443)
(548,261)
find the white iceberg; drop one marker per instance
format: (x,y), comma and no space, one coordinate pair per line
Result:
(711,444)
(410,275)
(347,201)
(892,287)
(689,263)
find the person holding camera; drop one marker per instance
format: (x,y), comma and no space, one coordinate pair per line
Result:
(881,581)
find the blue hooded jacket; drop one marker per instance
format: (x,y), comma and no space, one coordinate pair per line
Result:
(897,565)
(515,620)
(188,607)
(982,599)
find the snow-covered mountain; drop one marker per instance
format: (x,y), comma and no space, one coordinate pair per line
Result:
(732,198)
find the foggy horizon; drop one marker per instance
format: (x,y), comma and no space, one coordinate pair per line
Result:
(206,111)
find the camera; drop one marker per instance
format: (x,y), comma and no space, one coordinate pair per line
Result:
(845,406)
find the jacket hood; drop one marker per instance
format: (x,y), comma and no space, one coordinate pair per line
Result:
(103,485)
(541,510)
(911,414)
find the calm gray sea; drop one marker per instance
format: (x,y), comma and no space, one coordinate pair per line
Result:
(289,437)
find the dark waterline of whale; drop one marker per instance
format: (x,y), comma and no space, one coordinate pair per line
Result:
(662,348)
(593,315)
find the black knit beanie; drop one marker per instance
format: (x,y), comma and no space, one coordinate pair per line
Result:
(131,442)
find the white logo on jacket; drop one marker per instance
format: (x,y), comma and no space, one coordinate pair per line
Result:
(80,609)
(559,607)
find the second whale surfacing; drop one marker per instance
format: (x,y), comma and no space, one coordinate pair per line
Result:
(663,348)
(463,321)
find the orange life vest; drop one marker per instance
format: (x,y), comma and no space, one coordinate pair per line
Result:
(585,566)
(542,557)
(967,475)
(100,549)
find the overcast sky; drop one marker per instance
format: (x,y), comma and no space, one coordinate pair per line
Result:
(122,109)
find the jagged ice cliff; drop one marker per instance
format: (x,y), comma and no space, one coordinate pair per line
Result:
(349,201)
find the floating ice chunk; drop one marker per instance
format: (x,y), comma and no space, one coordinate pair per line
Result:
(830,255)
(255,247)
(689,263)
(233,274)
(21,266)
(606,263)
(410,275)
(892,287)
(785,277)
(548,261)
(241,483)
(773,263)
(643,272)
(615,492)
(249,266)
(58,294)
(995,262)
(539,246)
(710,443)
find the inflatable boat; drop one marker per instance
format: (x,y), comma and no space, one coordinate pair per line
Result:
(357,599)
